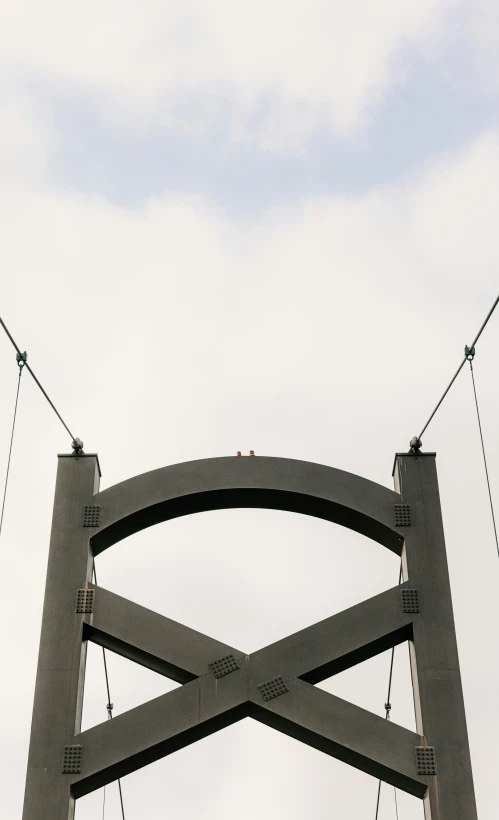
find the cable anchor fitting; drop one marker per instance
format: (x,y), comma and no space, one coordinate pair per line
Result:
(77,446)
(415,444)
(21,359)
(469,352)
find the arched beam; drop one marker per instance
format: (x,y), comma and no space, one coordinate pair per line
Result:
(256,482)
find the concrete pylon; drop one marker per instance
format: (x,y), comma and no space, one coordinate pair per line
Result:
(222,684)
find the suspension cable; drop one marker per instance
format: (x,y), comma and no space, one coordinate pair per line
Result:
(76,443)
(21,362)
(396,803)
(470,356)
(416,441)
(104,803)
(109,709)
(388,707)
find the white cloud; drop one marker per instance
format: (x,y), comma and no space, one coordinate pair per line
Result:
(308,60)
(25,141)
(482,28)
(453,213)
(323,257)
(324,331)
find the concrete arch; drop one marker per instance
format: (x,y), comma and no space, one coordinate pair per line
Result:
(256,482)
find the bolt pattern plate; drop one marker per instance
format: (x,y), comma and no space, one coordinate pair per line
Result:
(425,760)
(273,688)
(402,514)
(91,516)
(85,600)
(224,666)
(71,763)
(410,600)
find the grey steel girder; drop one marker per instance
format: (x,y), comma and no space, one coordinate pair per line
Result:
(259,482)
(203,706)
(221,684)
(313,654)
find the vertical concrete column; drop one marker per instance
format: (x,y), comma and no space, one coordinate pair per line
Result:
(61,661)
(438,695)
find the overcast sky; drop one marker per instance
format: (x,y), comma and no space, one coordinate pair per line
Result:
(229,226)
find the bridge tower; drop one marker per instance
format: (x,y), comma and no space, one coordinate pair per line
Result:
(222,684)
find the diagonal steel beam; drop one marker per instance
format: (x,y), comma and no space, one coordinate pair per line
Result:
(340,641)
(157,728)
(204,706)
(344,731)
(144,636)
(314,654)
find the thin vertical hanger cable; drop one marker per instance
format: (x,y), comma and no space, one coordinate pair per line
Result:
(396,803)
(109,716)
(109,708)
(394,789)
(388,707)
(104,803)
(21,363)
(470,354)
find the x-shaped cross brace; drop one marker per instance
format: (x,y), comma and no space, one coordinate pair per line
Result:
(273,685)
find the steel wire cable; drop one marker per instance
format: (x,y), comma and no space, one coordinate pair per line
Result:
(109,708)
(388,707)
(10,446)
(484,456)
(104,804)
(54,408)
(417,439)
